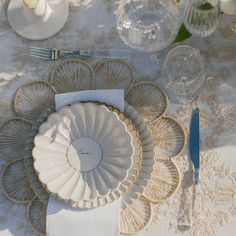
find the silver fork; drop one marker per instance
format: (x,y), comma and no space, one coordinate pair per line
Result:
(56,53)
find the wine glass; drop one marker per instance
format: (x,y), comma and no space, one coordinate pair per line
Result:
(183,72)
(200,17)
(148,25)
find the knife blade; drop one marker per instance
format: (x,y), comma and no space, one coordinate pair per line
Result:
(194,143)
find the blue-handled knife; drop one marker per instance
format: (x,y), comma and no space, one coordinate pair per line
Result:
(194,143)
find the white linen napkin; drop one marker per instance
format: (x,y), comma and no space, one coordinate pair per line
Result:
(63,220)
(114,97)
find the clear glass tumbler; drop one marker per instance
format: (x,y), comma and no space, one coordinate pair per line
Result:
(183,72)
(148,25)
(201,17)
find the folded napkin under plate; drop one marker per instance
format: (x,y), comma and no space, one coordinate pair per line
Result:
(64,220)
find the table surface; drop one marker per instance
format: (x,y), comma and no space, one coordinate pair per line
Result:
(91,24)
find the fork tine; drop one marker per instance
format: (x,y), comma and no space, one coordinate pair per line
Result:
(38,56)
(41,54)
(40,49)
(46,55)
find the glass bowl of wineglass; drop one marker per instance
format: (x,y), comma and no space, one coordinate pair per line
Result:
(148,25)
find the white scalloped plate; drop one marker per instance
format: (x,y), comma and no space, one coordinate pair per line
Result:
(144,136)
(82,152)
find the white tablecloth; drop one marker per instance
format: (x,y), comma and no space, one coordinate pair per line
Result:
(91,24)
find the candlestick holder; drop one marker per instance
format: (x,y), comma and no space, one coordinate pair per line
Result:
(37,19)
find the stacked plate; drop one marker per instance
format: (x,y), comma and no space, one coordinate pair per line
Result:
(90,154)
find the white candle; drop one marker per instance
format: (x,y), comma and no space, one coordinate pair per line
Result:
(31,3)
(36,7)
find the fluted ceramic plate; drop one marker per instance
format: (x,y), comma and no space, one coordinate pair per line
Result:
(14,182)
(36,215)
(114,74)
(43,195)
(14,134)
(164,181)
(169,137)
(72,75)
(147,158)
(142,166)
(148,99)
(82,152)
(34,98)
(135,217)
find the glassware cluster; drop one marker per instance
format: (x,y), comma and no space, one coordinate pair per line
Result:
(152,25)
